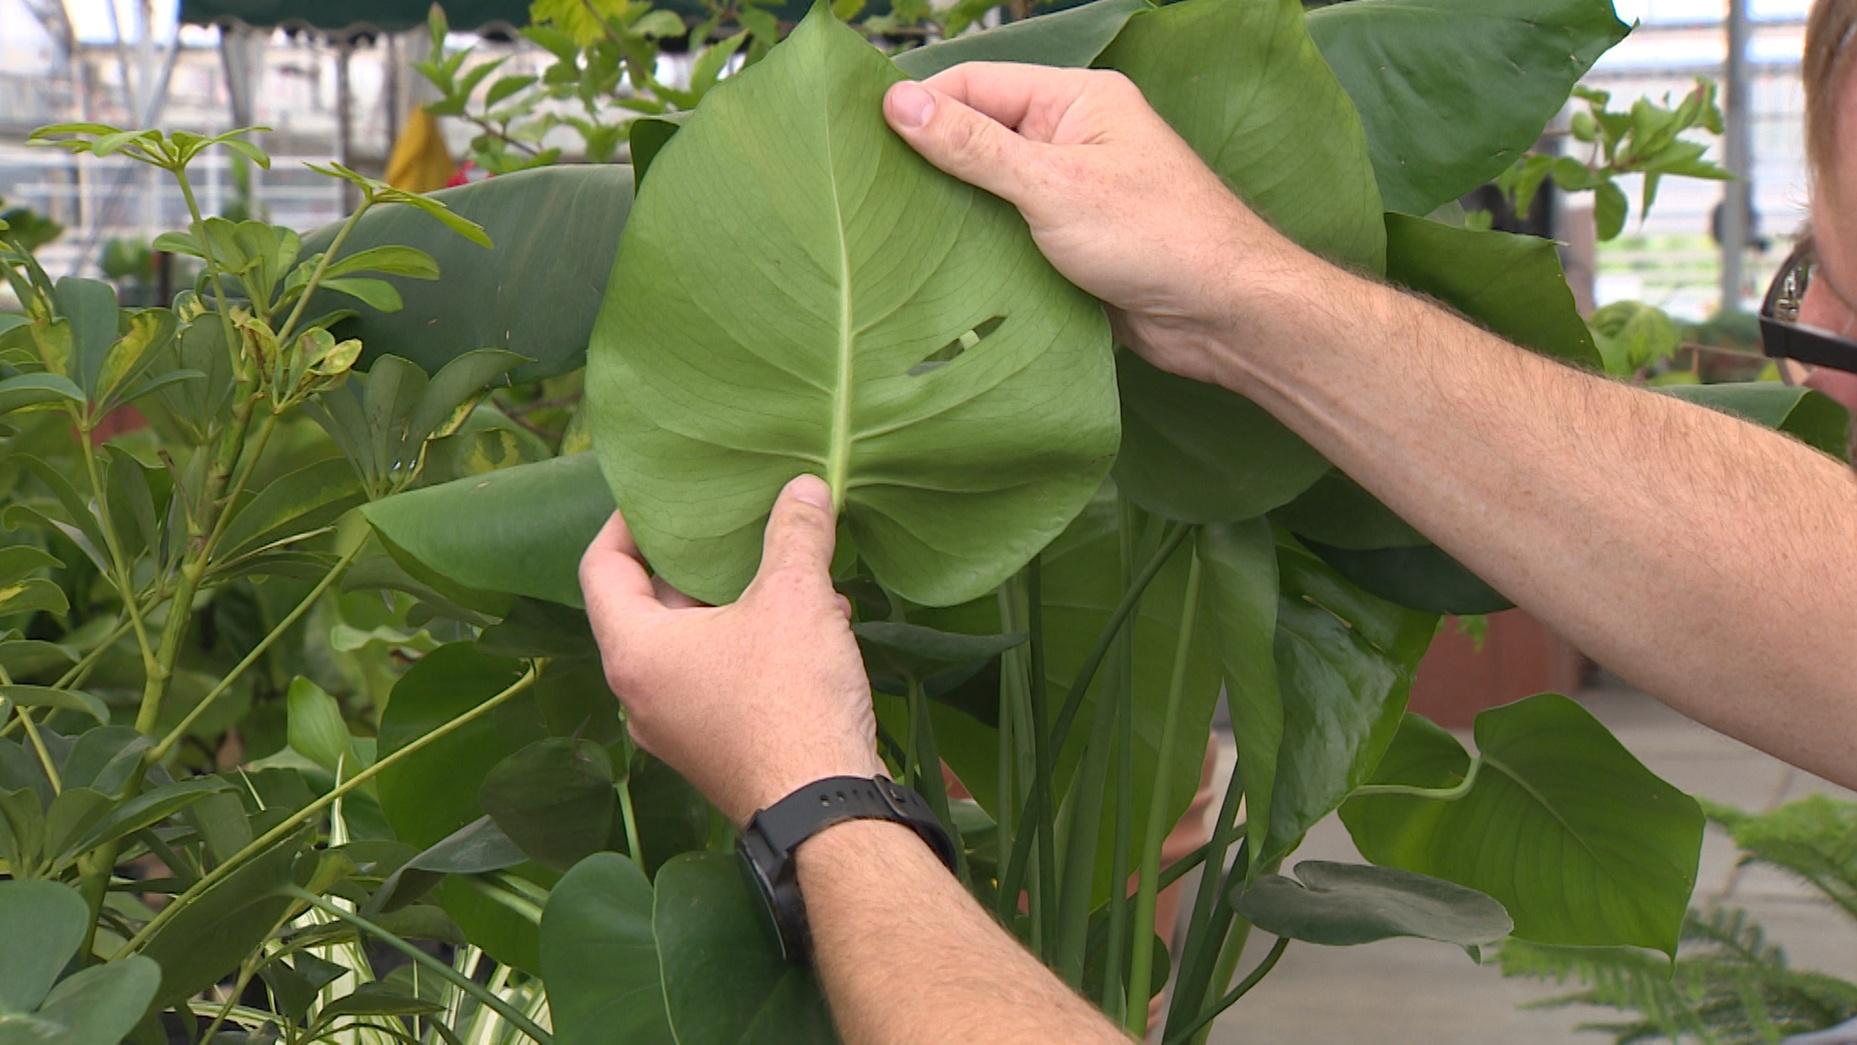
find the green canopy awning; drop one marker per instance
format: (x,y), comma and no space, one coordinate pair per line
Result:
(396,15)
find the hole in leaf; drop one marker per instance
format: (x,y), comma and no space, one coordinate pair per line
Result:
(947,353)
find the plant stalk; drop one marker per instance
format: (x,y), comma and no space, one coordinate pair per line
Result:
(174,736)
(1255,977)
(1141,949)
(301,816)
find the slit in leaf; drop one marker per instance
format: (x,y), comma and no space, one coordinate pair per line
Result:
(947,353)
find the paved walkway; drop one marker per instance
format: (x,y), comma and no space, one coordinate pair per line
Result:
(1410,991)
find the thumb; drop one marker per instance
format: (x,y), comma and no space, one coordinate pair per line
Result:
(958,139)
(800,534)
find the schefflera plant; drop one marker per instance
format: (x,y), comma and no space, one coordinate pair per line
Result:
(744,337)
(120,553)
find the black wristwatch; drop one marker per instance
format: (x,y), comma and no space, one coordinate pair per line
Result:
(767,843)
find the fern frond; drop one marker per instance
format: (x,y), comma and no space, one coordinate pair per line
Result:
(1813,839)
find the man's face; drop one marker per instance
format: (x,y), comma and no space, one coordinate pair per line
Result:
(1831,298)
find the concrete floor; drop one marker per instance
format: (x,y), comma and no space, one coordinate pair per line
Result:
(1426,993)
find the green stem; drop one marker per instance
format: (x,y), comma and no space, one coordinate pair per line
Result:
(632,845)
(316,274)
(1256,976)
(438,968)
(160,750)
(215,272)
(1229,954)
(248,464)
(1011,682)
(247,969)
(1141,949)
(1045,908)
(32,734)
(1113,992)
(301,816)
(1020,847)
(931,785)
(1436,794)
(1211,918)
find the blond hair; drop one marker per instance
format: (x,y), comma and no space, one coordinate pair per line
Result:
(1828,50)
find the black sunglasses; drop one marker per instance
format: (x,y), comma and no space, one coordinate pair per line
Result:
(1782,336)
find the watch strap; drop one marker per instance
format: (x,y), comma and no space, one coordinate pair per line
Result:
(834,800)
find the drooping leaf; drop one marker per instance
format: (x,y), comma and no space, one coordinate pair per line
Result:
(25,696)
(554,798)
(599,957)
(534,293)
(949,473)
(1452,91)
(1555,792)
(1422,577)
(1337,513)
(475,848)
(530,525)
(724,977)
(896,652)
(1345,662)
(1265,112)
(1340,905)
(26,390)
(1071,38)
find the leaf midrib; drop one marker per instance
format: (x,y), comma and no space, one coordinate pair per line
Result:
(838,455)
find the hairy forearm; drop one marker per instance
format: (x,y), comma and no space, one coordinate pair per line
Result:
(1703,558)
(906,955)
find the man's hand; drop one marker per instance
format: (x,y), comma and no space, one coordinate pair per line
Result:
(1115,199)
(748,701)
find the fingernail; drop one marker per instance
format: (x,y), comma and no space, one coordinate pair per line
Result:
(910,105)
(810,489)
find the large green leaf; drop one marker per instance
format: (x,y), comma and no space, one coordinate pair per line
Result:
(1070,38)
(534,293)
(1811,417)
(724,978)
(529,525)
(1264,111)
(785,300)
(599,957)
(1345,661)
(1452,91)
(1580,842)
(1345,904)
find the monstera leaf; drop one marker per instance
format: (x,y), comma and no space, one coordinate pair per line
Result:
(798,291)
(1582,843)
(1264,111)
